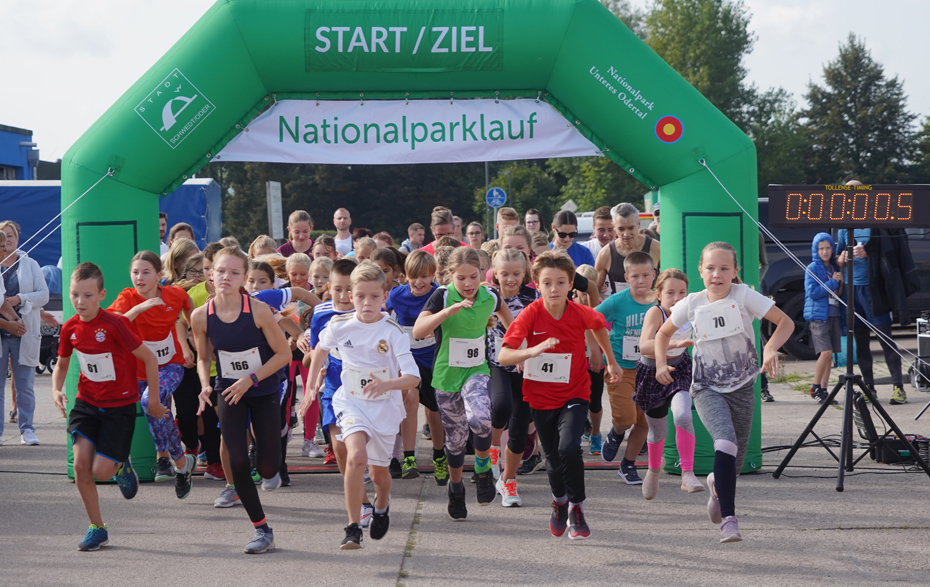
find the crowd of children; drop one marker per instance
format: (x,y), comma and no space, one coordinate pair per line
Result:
(502,338)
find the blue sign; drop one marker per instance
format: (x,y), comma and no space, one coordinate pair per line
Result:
(495,197)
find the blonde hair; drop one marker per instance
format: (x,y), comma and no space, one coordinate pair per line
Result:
(587,271)
(721,246)
(298,259)
(13,226)
(262,242)
(462,256)
(520,231)
(277,261)
(440,216)
(491,247)
(510,256)
(299,216)
(366,242)
(180,249)
(507,213)
(540,239)
(322,262)
(368,272)
(665,276)
(419,263)
(231,251)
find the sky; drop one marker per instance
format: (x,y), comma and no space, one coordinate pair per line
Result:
(66,62)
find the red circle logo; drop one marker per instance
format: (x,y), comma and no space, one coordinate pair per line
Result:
(669,129)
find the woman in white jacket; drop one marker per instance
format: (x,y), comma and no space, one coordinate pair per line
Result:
(27,292)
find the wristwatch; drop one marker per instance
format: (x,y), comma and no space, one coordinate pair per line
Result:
(254,379)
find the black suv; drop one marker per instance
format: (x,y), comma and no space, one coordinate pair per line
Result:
(784,280)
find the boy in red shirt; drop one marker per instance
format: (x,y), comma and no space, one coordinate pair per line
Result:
(103,418)
(556,383)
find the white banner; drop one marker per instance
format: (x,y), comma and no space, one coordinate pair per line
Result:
(418,131)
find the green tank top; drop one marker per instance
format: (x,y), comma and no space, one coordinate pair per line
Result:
(468,324)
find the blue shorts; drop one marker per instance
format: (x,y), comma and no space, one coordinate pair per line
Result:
(326,404)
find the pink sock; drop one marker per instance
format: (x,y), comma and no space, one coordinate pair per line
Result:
(685,441)
(655,454)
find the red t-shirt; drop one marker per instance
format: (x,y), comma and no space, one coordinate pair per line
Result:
(107,343)
(156,325)
(535,325)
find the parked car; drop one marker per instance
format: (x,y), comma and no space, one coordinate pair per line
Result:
(784,280)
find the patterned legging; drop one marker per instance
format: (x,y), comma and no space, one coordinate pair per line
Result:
(165,431)
(464,411)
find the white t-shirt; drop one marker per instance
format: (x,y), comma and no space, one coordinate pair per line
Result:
(344,246)
(723,363)
(594,246)
(163,248)
(367,348)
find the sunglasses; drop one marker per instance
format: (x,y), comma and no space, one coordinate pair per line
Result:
(474,233)
(567,234)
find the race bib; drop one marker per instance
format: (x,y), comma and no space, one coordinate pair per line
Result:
(238,365)
(354,381)
(97,368)
(683,333)
(418,343)
(163,350)
(548,368)
(631,348)
(466,352)
(833,301)
(718,320)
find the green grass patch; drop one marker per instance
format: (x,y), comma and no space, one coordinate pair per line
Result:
(786,378)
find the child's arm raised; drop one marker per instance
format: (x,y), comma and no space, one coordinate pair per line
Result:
(509,356)
(427,322)
(265,320)
(303,295)
(784,327)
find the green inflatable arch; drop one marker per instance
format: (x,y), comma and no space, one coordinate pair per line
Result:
(242,55)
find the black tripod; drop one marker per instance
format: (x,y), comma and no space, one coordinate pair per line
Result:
(847,382)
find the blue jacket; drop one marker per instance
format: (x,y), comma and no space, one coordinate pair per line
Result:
(816,298)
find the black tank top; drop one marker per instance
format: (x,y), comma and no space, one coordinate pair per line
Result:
(615,270)
(240,336)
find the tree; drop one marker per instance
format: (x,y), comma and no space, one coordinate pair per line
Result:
(596,181)
(633,18)
(858,121)
(705,41)
(528,185)
(772,122)
(921,172)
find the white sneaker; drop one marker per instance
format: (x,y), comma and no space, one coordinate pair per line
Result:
(271,484)
(311,450)
(367,511)
(29,438)
(713,505)
(729,530)
(318,437)
(690,482)
(508,490)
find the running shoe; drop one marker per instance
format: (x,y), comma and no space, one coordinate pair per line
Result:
(256,478)
(898,397)
(294,421)
(577,526)
(586,435)
(366,476)
(285,476)
(262,543)
(597,444)
(380,524)
(531,465)
(425,433)
(184,482)
(29,438)
(215,471)
(440,471)
(558,519)
(457,508)
(272,484)
(611,446)
(494,453)
(629,474)
(95,538)
(729,530)
(353,539)
(318,436)
(163,470)
(651,484)
(12,416)
(202,458)
(330,458)
(484,488)
(766,396)
(127,480)
(227,499)
(252,456)
(508,490)
(409,468)
(365,516)
(713,504)
(396,470)
(307,447)
(690,482)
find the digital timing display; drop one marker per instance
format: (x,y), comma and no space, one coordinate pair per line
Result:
(849,206)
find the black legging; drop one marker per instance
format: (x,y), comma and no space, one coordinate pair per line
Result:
(560,433)
(597,391)
(508,408)
(265,415)
(186,403)
(864,353)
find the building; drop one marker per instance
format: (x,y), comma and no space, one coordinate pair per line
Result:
(18,155)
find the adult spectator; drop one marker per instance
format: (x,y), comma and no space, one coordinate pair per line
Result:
(27,292)
(883,276)
(565,227)
(603,231)
(474,233)
(457,228)
(162,231)
(654,225)
(416,233)
(533,221)
(181,230)
(609,262)
(441,224)
(343,221)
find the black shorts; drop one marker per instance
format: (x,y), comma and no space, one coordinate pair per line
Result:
(427,392)
(109,429)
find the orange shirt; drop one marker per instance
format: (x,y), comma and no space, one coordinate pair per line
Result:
(156,326)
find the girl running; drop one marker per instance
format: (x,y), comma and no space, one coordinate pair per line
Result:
(725,367)
(154,311)
(251,351)
(458,316)
(654,398)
